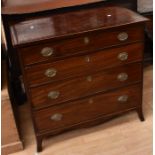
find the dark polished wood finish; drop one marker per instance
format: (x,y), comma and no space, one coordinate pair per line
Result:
(85,86)
(77,45)
(83,23)
(87,109)
(80,68)
(82,65)
(8,16)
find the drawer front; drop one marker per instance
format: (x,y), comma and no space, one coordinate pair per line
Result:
(83,65)
(71,89)
(89,108)
(90,42)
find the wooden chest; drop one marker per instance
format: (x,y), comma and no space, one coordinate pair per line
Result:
(80,67)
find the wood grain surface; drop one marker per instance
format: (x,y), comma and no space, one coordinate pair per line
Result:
(99,32)
(82,65)
(87,109)
(76,88)
(77,22)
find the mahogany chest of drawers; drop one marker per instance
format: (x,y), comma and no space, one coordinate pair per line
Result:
(80,68)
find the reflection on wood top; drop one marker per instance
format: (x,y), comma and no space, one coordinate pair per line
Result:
(70,23)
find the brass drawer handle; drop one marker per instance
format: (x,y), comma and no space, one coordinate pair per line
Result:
(51,72)
(53,94)
(56,117)
(47,51)
(123,56)
(123,36)
(86,40)
(123,98)
(122,77)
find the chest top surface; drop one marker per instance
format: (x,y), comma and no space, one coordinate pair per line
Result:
(60,25)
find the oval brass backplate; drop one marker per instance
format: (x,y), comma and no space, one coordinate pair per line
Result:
(123,36)
(123,98)
(56,117)
(51,72)
(122,77)
(53,94)
(123,56)
(47,51)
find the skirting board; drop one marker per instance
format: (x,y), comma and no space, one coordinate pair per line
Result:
(11,148)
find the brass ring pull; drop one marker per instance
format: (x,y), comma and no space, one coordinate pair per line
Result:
(53,94)
(86,40)
(47,51)
(123,98)
(56,117)
(123,36)
(51,72)
(122,77)
(123,56)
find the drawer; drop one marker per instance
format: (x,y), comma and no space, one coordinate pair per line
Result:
(85,42)
(76,112)
(75,88)
(83,65)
